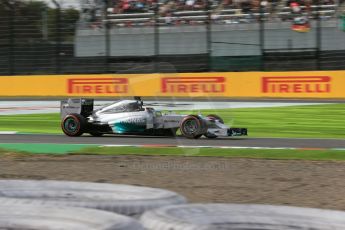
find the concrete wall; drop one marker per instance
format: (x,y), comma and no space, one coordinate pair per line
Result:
(228,40)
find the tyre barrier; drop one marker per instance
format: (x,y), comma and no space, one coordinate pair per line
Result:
(241,216)
(36,217)
(123,199)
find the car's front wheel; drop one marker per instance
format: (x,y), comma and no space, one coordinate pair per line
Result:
(73,125)
(192,127)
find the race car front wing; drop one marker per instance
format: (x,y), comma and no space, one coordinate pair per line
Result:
(237,132)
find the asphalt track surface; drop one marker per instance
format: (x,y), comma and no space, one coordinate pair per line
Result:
(145,140)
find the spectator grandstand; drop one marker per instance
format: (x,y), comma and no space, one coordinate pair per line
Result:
(127,13)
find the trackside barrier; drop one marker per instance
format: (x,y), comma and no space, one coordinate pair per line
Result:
(311,84)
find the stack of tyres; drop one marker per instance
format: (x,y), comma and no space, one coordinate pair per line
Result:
(44,204)
(20,216)
(50,205)
(241,216)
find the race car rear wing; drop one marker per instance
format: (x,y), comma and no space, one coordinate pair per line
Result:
(80,106)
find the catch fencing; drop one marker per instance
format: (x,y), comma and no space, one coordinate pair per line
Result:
(200,36)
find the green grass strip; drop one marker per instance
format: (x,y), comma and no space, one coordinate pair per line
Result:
(31,123)
(277,154)
(41,148)
(312,121)
(282,154)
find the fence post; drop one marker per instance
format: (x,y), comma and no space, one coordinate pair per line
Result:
(209,35)
(107,37)
(58,36)
(11,36)
(156,38)
(318,36)
(262,35)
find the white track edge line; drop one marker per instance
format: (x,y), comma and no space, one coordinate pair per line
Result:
(8,132)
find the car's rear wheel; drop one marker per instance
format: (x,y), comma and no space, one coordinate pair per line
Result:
(73,125)
(213,117)
(192,127)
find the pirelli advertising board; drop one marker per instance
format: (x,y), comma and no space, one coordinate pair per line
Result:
(316,84)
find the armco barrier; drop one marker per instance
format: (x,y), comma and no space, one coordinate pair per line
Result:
(314,84)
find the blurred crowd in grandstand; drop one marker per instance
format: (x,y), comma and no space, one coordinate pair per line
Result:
(174,12)
(140,6)
(168,6)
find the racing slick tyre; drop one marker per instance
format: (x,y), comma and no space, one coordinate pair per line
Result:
(17,215)
(73,125)
(213,117)
(193,127)
(241,216)
(123,199)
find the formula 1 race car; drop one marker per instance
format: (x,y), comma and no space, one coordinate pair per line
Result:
(131,117)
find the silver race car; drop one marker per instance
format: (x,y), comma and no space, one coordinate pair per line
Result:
(131,117)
